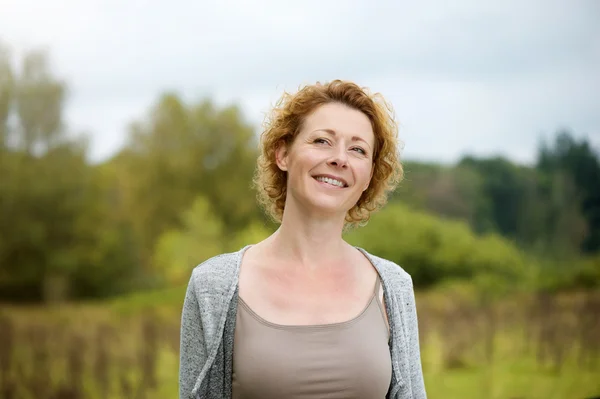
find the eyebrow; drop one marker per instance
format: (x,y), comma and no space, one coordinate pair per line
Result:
(332,133)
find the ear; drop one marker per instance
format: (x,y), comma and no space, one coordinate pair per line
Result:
(281,153)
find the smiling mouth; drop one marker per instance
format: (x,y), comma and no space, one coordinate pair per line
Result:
(331,181)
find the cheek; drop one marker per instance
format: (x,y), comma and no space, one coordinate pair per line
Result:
(307,160)
(364,173)
(299,164)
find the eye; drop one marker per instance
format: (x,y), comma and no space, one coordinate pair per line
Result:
(359,150)
(321,140)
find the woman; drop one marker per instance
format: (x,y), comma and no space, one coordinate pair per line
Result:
(303,314)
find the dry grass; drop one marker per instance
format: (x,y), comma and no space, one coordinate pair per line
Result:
(527,347)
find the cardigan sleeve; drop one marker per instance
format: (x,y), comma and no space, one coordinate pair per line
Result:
(416,370)
(192,355)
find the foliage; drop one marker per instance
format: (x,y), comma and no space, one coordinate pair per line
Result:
(182,152)
(551,209)
(46,189)
(431,249)
(200,238)
(179,192)
(255,232)
(579,163)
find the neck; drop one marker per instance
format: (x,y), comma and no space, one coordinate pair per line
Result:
(311,241)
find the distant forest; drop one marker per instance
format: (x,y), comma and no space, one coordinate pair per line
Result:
(552,208)
(73,229)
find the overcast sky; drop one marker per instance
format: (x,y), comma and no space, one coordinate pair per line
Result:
(485,78)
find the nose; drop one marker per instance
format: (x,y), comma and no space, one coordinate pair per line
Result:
(339,158)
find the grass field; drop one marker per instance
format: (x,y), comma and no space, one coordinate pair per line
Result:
(522,347)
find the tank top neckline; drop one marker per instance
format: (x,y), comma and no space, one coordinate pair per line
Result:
(313,327)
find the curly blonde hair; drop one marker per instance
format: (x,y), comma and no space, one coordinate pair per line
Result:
(284,123)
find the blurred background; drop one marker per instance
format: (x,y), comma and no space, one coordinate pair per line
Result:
(128,139)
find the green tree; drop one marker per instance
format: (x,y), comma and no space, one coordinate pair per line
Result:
(178,251)
(504,186)
(181,152)
(7,87)
(575,166)
(43,172)
(56,240)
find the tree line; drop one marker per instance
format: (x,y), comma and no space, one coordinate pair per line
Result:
(179,191)
(552,207)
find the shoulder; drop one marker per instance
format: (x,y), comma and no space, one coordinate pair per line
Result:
(393,275)
(217,273)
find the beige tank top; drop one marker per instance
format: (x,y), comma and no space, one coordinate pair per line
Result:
(348,360)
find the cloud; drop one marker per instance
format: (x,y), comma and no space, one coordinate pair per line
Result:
(469,76)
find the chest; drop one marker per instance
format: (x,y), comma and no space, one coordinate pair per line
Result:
(294,299)
(349,360)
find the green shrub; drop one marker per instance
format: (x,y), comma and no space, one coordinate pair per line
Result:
(432,249)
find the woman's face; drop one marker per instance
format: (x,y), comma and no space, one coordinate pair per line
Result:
(330,162)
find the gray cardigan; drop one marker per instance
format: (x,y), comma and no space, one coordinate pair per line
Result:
(208,324)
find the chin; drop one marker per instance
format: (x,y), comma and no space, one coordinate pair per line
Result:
(329,205)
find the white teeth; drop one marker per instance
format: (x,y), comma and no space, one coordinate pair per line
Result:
(330,181)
